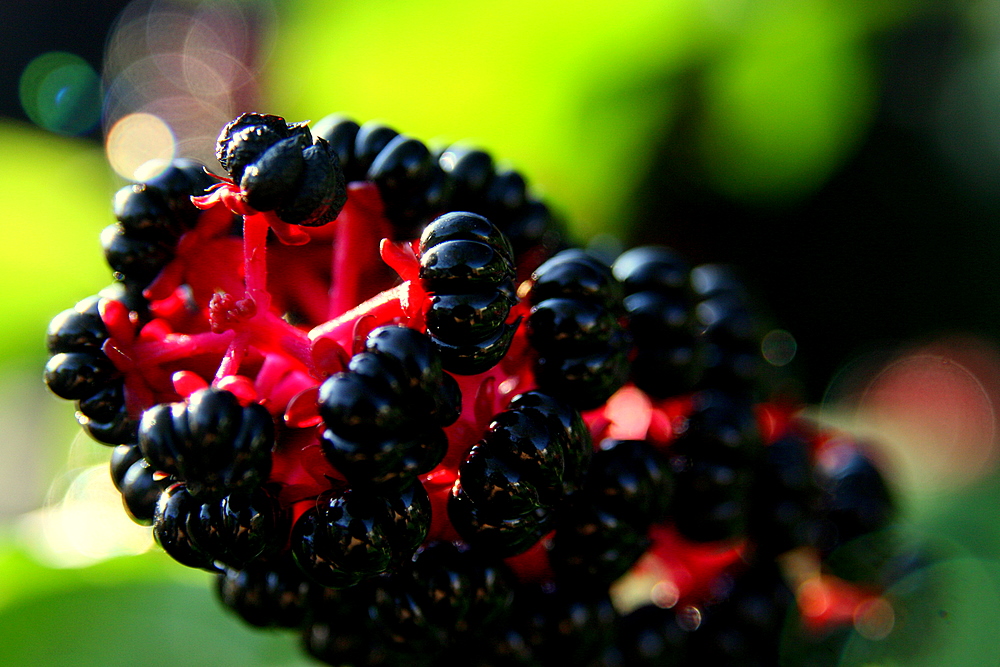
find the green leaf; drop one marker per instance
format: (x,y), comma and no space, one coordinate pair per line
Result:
(144,610)
(56,194)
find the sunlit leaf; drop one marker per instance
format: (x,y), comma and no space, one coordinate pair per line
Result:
(56,195)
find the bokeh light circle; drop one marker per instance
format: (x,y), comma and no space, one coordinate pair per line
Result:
(137,139)
(778,347)
(61,92)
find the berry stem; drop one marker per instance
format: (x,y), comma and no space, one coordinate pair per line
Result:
(234,355)
(255,227)
(388,307)
(360,228)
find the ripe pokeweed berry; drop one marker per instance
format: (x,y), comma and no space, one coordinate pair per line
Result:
(404,171)
(713,462)
(234,530)
(593,545)
(211,442)
(77,329)
(745,627)
(376,412)
(660,313)
(344,540)
(371,139)
(471,171)
(516,478)
(76,375)
(340,133)
(582,347)
(466,266)
(136,480)
(562,626)
(266,593)
(446,596)
(786,499)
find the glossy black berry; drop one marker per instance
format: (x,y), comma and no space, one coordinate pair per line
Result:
(371,139)
(77,375)
(239,528)
(233,530)
(714,461)
(136,481)
(500,489)
(340,133)
(710,280)
(384,414)
(786,498)
(210,441)
(514,480)
(656,269)
(564,625)
(105,405)
(670,347)
(447,595)
(480,356)
(133,258)
(857,499)
(669,353)
(266,593)
(339,633)
(593,545)
(468,316)
(588,380)
(504,536)
(466,265)
(416,363)
(506,195)
(463,265)
(144,212)
(471,171)
(344,539)
(571,327)
(566,425)
(410,519)
(171,528)
(105,417)
(463,226)
(575,273)
(403,171)
(78,329)
(745,627)
(631,479)
(176,183)
(582,348)
(354,407)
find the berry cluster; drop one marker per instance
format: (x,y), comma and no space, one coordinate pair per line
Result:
(365,383)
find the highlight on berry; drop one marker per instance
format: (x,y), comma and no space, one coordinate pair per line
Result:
(372,387)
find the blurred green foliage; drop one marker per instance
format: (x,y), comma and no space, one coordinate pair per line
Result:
(56,195)
(141,610)
(581,97)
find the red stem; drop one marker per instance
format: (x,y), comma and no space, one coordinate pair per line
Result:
(360,228)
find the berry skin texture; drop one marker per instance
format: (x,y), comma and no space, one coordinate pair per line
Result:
(368,385)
